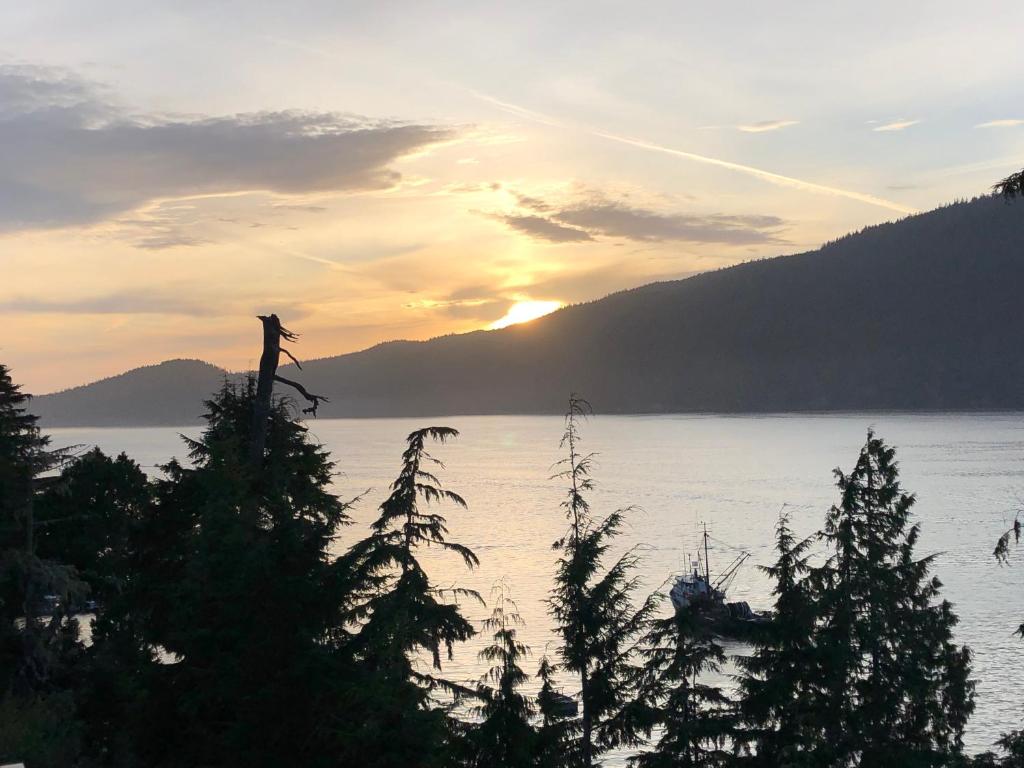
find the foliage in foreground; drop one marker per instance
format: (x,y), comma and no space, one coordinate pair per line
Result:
(231,630)
(594,611)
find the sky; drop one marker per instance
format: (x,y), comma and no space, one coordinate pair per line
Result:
(402,170)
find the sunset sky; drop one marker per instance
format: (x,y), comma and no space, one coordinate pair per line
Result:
(383,170)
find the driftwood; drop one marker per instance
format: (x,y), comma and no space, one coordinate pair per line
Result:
(273,334)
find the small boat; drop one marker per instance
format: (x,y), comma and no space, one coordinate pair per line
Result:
(706,598)
(564,706)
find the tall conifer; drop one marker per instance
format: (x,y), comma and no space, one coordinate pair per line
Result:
(594,608)
(232,578)
(38,638)
(401,614)
(776,682)
(692,716)
(505,735)
(894,689)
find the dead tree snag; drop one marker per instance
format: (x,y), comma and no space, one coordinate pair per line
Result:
(273,334)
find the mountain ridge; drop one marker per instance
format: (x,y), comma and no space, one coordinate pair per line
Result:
(917,314)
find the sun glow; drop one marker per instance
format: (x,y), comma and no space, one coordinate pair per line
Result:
(524,311)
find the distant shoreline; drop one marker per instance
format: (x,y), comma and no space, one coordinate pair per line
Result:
(600,414)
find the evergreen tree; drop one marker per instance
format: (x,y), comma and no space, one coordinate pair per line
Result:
(776,685)
(1012,746)
(1002,552)
(556,730)
(1011,186)
(893,688)
(232,578)
(505,736)
(594,610)
(694,719)
(400,615)
(88,517)
(38,639)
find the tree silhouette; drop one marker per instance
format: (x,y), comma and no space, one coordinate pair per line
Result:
(38,637)
(777,695)
(693,718)
(593,608)
(273,334)
(504,736)
(893,687)
(1011,186)
(400,614)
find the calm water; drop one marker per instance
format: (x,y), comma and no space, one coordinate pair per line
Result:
(734,473)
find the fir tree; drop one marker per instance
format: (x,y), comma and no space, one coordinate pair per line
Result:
(401,615)
(505,736)
(594,610)
(893,687)
(556,730)
(1012,747)
(231,575)
(39,643)
(88,517)
(1002,552)
(693,718)
(1011,186)
(775,686)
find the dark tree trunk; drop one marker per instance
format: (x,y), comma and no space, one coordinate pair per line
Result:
(588,722)
(264,388)
(273,333)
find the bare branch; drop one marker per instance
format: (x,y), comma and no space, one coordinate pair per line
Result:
(290,355)
(314,399)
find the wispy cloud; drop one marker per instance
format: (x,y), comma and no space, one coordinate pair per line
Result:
(1011,122)
(767,176)
(598,216)
(545,229)
(896,125)
(615,219)
(72,158)
(766,125)
(126,303)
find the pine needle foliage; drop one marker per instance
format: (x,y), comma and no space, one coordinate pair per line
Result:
(556,730)
(235,581)
(775,687)
(39,644)
(1002,552)
(1010,187)
(893,687)
(505,735)
(694,719)
(593,607)
(401,614)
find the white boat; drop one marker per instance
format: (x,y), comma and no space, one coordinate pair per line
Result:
(698,593)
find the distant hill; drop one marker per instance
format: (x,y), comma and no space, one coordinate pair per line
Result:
(920,314)
(168,394)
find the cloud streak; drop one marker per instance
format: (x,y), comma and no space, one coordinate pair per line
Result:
(541,228)
(759,173)
(613,219)
(147,302)
(1012,122)
(766,125)
(597,216)
(896,125)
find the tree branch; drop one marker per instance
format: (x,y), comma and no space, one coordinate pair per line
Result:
(297,363)
(314,399)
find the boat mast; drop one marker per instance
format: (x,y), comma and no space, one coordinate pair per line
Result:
(707,566)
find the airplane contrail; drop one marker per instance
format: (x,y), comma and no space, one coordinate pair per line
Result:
(772,178)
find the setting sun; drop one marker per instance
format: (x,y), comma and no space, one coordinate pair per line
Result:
(523,311)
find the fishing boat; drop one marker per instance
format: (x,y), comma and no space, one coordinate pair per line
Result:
(564,706)
(696,592)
